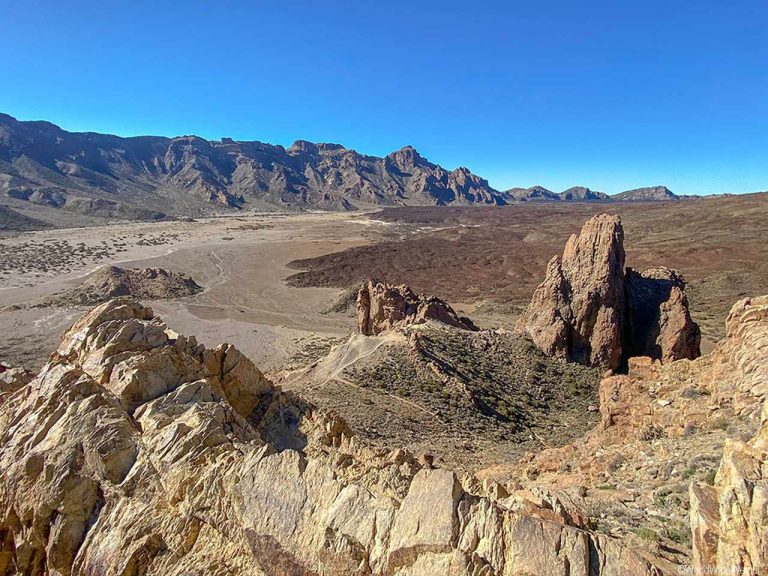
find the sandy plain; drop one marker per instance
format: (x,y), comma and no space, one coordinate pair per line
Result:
(240,261)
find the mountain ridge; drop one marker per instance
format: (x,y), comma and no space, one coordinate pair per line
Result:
(45,169)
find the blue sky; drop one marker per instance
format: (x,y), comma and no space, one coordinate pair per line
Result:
(608,94)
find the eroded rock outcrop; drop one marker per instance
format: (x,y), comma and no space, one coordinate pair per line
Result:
(729,520)
(663,428)
(383,306)
(658,322)
(578,311)
(12,379)
(113,282)
(589,310)
(138,451)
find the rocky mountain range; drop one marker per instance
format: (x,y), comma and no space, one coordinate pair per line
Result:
(583,194)
(49,173)
(538,193)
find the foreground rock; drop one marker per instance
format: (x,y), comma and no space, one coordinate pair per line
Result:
(589,310)
(666,428)
(12,379)
(113,282)
(138,451)
(729,520)
(383,306)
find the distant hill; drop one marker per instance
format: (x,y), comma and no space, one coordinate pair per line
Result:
(148,177)
(582,193)
(12,221)
(534,193)
(539,193)
(652,193)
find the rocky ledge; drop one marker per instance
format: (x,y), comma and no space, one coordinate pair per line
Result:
(136,450)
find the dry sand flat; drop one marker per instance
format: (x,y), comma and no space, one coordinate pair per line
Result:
(240,261)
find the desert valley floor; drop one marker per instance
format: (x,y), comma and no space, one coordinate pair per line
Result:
(281,287)
(272,281)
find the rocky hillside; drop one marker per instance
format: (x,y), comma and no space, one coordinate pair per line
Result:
(12,221)
(653,193)
(145,177)
(679,459)
(138,451)
(539,193)
(112,282)
(583,194)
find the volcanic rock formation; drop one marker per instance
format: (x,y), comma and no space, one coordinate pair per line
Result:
(577,311)
(138,451)
(50,169)
(729,520)
(658,322)
(113,281)
(664,423)
(383,306)
(589,310)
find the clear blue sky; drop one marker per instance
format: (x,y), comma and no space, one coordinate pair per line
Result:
(609,94)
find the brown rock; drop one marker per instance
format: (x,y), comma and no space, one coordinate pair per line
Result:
(705,524)
(577,312)
(383,306)
(114,282)
(736,513)
(659,324)
(588,310)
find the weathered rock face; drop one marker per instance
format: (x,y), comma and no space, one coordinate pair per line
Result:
(659,323)
(153,176)
(578,311)
(12,379)
(590,311)
(113,282)
(729,520)
(382,307)
(138,451)
(665,423)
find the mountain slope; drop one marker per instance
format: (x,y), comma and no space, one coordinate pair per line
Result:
(147,177)
(532,193)
(12,221)
(582,193)
(652,193)
(539,193)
